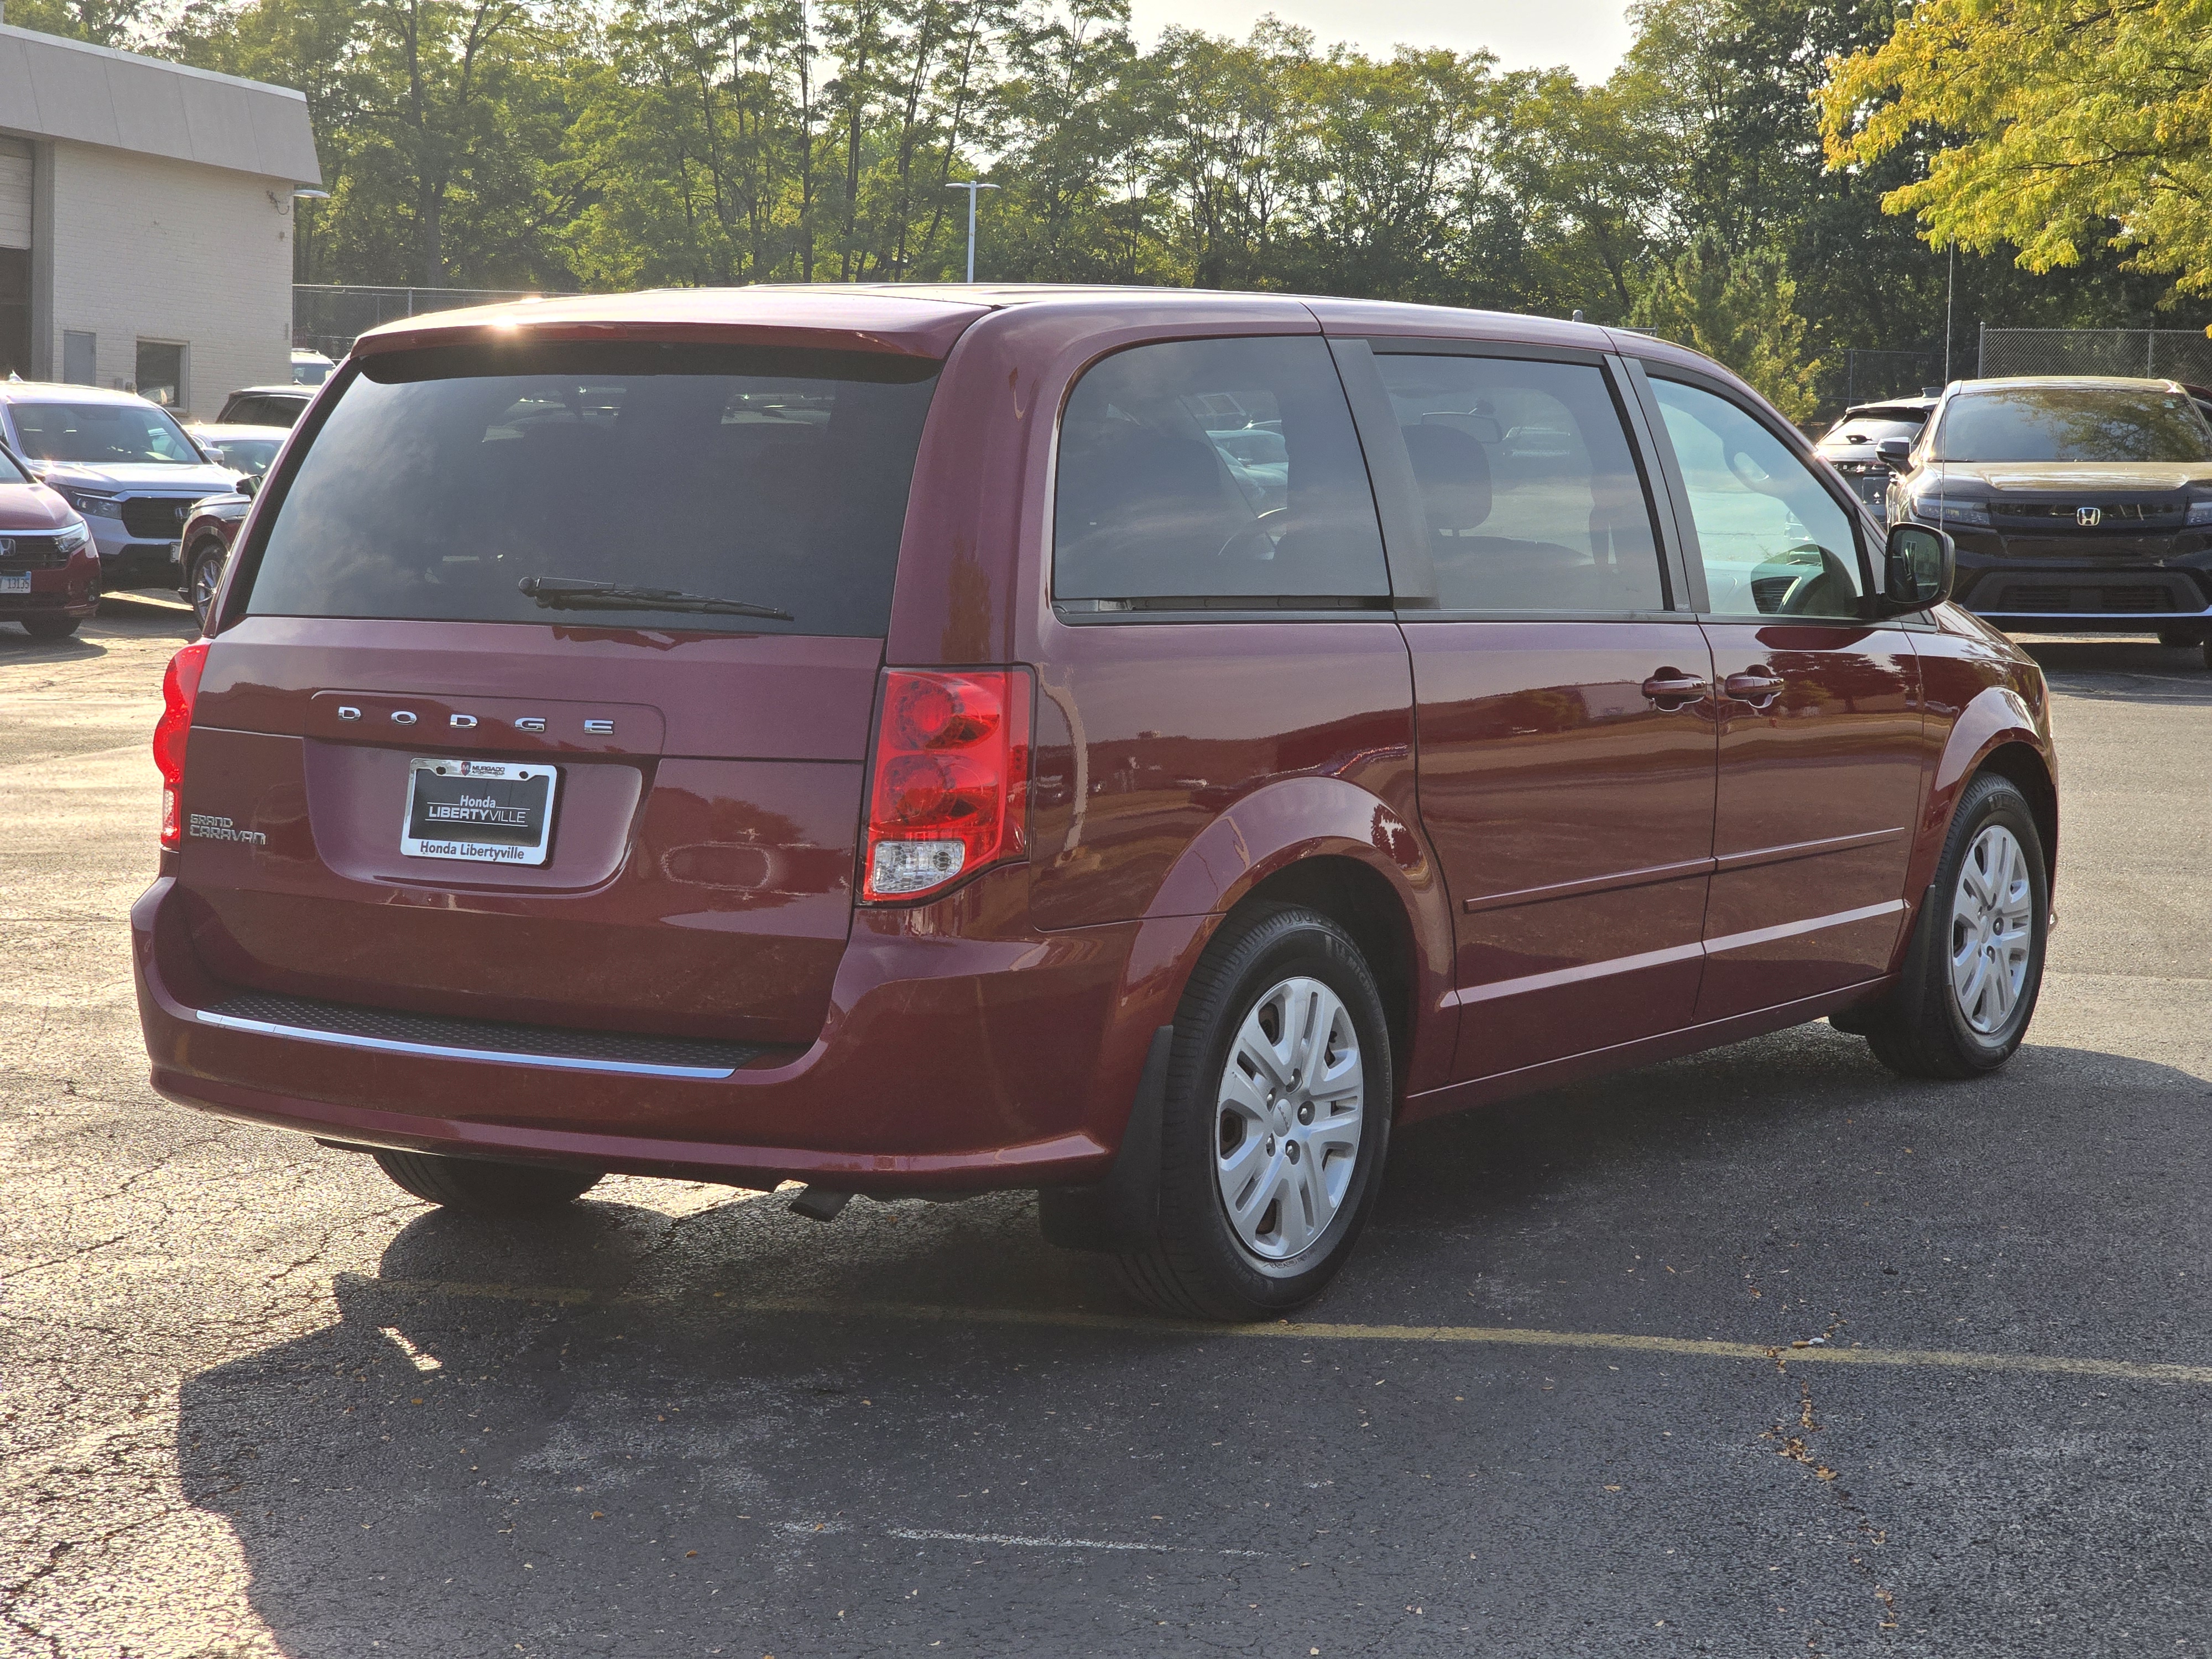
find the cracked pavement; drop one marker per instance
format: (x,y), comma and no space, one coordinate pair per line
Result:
(254,1401)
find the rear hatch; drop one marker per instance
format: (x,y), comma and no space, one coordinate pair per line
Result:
(413,783)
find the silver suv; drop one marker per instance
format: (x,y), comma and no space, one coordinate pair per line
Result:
(123,463)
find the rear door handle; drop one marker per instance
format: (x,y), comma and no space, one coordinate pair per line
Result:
(1673,685)
(1756,685)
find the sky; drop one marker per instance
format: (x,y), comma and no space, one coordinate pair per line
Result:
(1587,36)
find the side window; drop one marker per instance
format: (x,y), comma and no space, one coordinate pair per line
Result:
(1214,470)
(1774,543)
(1528,484)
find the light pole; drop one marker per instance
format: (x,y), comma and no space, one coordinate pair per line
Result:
(971,187)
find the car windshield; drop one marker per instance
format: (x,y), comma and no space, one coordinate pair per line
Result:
(1864,431)
(439,479)
(2074,423)
(103,434)
(10,472)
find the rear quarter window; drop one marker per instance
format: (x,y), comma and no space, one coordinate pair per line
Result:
(440,479)
(1197,471)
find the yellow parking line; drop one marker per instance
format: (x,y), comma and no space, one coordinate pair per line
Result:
(2132,1370)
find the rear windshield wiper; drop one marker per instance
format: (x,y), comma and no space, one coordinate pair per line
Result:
(568,593)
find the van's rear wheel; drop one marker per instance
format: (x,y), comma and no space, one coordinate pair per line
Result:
(480,1186)
(1276,1120)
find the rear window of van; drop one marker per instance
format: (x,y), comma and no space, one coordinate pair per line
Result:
(441,479)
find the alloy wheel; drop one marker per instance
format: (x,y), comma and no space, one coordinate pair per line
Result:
(207,576)
(1992,930)
(1287,1124)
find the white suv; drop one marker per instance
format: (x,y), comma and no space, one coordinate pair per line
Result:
(123,463)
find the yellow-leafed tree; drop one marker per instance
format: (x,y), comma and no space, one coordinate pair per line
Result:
(2049,126)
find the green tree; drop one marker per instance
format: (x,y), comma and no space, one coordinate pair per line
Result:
(1740,309)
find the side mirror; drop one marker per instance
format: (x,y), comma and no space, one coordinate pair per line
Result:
(247,485)
(1896,453)
(1920,565)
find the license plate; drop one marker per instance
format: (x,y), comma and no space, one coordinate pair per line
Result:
(14,582)
(483,811)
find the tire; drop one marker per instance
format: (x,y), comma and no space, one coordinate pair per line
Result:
(203,575)
(49,628)
(2208,652)
(1932,1027)
(1301,1212)
(477,1186)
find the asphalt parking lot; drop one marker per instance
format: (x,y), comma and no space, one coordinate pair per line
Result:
(254,1401)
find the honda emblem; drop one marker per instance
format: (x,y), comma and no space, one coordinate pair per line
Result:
(2088,517)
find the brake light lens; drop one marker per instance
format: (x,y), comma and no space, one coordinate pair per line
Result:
(950,792)
(179,686)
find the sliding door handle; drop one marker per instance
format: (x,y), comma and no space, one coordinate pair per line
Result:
(1671,685)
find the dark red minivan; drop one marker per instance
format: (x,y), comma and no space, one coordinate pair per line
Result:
(1141,746)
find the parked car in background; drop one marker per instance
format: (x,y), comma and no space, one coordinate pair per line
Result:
(265,405)
(49,570)
(1853,445)
(248,448)
(310,368)
(2078,503)
(207,537)
(123,463)
(723,734)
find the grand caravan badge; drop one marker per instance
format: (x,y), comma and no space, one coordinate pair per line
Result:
(479,812)
(207,826)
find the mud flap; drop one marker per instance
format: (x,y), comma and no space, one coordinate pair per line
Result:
(1121,1212)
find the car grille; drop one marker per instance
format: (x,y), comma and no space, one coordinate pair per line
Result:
(32,553)
(390,1028)
(2047,516)
(159,517)
(2101,599)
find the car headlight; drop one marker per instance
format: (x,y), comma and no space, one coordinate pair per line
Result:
(1936,508)
(94,504)
(2200,512)
(73,537)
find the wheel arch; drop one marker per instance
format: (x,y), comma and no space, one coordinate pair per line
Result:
(1996,730)
(2020,764)
(1359,899)
(1327,844)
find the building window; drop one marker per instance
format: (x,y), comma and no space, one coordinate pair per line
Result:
(161,373)
(80,357)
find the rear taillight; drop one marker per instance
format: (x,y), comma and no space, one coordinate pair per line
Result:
(950,792)
(179,687)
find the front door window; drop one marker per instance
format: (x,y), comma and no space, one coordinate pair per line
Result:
(1774,543)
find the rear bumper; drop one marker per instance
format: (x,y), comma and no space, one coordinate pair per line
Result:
(947,1063)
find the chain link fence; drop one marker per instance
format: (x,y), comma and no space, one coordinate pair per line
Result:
(1870,376)
(329,317)
(2170,354)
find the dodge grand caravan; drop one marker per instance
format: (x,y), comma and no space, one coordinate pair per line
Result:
(1144,747)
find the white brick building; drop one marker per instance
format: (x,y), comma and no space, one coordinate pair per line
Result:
(145,221)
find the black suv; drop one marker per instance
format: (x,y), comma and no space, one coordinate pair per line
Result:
(2079,504)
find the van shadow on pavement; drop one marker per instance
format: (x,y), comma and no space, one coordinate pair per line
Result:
(455,1468)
